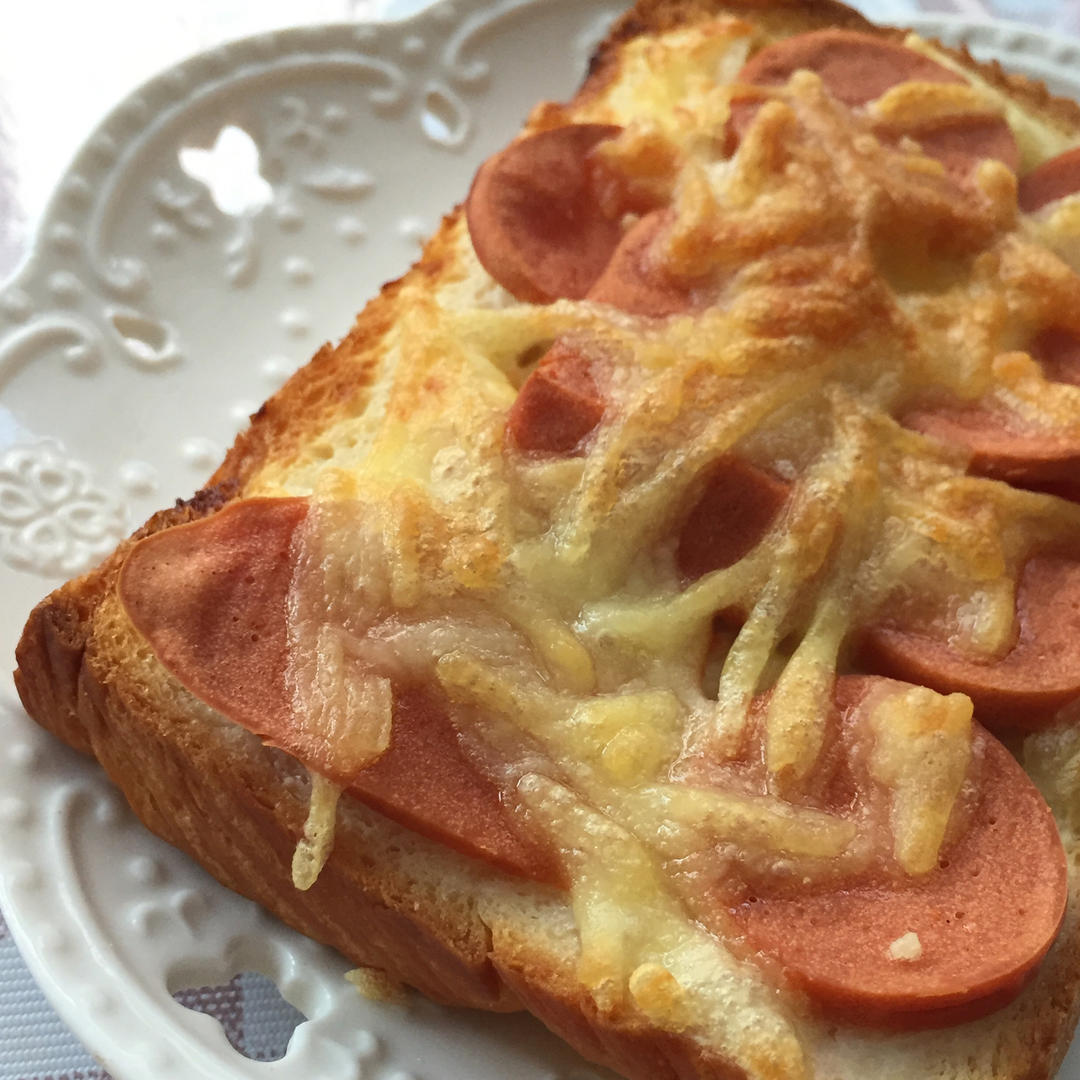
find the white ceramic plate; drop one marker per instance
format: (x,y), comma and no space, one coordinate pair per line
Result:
(146,325)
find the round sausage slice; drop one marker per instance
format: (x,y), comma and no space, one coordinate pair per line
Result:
(976,928)
(1058,353)
(961,143)
(1020,691)
(634,281)
(535,219)
(736,508)
(1052,180)
(558,405)
(858,68)
(211,599)
(1002,447)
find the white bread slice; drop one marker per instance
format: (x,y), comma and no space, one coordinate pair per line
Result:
(388,898)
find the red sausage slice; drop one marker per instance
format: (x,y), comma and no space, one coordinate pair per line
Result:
(535,219)
(962,142)
(1001,447)
(984,920)
(857,69)
(558,405)
(1052,180)
(739,503)
(425,782)
(634,281)
(1058,351)
(1023,689)
(210,598)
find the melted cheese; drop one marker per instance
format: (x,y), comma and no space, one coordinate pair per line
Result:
(906,948)
(921,753)
(542,596)
(696,64)
(912,105)
(317,842)
(1038,139)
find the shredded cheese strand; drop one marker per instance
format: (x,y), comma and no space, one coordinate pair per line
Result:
(317,842)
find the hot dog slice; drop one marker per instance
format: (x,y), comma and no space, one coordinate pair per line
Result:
(1022,690)
(959,144)
(1058,352)
(535,219)
(858,68)
(1052,180)
(634,281)
(1001,446)
(558,405)
(981,923)
(425,782)
(739,503)
(210,598)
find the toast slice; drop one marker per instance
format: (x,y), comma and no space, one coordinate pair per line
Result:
(441,382)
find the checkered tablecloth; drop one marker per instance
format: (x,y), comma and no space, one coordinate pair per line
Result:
(34,1042)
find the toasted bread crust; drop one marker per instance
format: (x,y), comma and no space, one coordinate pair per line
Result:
(787,17)
(185,778)
(184,781)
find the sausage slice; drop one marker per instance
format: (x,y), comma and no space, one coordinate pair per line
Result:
(634,281)
(1020,691)
(1058,351)
(535,219)
(558,405)
(735,509)
(1002,446)
(211,598)
(975,929)
(858,68)
(1052,180)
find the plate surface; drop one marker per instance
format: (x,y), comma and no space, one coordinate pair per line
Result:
(177,278)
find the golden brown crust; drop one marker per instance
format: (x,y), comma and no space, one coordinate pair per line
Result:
(338,378)
(50,652)
(184,779)
(629,1051)
(184,786)
(1064,113)
(782,18)
(183,783)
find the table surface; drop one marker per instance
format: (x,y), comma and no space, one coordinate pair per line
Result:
(54,88)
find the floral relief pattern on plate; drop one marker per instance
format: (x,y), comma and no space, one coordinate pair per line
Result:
(54,520)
